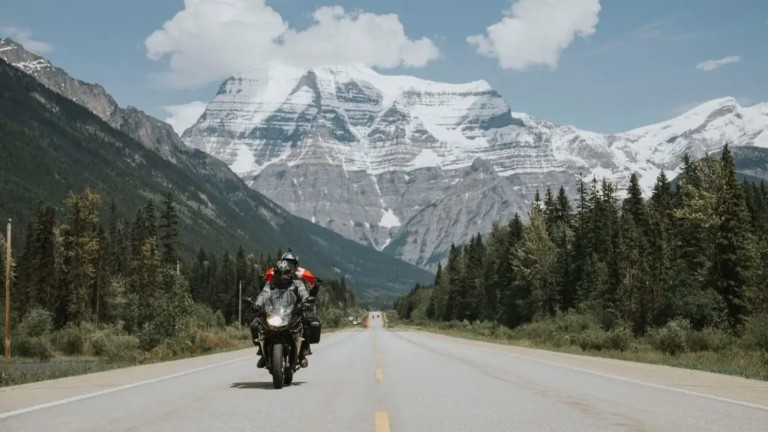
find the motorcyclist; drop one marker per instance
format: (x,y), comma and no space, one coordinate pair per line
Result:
(313,286)
(302,273)
(284,277)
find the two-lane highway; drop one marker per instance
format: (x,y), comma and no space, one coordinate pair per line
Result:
(381,380)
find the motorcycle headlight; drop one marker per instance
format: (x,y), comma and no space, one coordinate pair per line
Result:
(276,321)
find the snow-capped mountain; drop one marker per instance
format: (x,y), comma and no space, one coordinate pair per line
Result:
(411,166)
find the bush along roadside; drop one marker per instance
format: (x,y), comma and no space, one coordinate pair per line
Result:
(675,344)
(42,353)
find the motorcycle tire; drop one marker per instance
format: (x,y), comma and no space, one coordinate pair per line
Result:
(277,366)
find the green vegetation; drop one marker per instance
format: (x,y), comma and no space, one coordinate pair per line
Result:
(679,279)
(87,298)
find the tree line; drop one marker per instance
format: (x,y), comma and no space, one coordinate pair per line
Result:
(697,250)
(114,271)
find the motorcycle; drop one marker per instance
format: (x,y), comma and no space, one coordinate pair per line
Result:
(281,335)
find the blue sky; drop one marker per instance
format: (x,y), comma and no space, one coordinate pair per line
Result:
(605,67)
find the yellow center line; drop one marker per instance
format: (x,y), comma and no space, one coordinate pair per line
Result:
(382,422)
(379,374)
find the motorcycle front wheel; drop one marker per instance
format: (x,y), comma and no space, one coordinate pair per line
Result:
(277,366)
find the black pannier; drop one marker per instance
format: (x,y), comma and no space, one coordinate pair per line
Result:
(314,329)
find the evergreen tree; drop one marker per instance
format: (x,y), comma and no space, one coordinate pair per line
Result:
(169,232)
(510,294)
(735,269)
(25,295)
(695,218)
(535,261)
(226,294)
(149,228)
(81,255)
(659,254)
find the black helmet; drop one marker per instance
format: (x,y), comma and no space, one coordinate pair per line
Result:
(284,271)
(291,258)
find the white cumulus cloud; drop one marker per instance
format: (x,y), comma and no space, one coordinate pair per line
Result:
(535,32)
(182,117)
(211,39)
(710,65)
(24,37)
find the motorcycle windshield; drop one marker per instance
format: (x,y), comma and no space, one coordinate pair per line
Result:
(280,302)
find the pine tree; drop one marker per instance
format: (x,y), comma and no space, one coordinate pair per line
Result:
(118,252)
(81,249)
(695,219)
(535,261)
(735,268)
(660,251)
(169,232)
(561,232)
(510,295)
(199,277)
(496,269)
(226,295)
(149,228)
(25,295)
(438,273)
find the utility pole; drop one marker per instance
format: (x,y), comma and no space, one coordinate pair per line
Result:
(8,294)
(240,305)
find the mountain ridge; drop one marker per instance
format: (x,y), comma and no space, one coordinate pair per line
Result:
(215,200)
(382,148)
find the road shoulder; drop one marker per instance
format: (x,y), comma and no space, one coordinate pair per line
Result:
(728,388)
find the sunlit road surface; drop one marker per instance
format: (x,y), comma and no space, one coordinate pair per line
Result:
(374,379)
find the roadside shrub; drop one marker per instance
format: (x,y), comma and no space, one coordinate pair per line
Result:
(37,322)
(235,332)
(115,347)
(574,322)
(203,315)
(756,333)
(596,339)
(709,339)
(671,338)
(70,341)
(38,348)
(484,328)
(219,319)
(541,331)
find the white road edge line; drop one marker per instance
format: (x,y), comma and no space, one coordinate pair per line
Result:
(645,383)
(115,389)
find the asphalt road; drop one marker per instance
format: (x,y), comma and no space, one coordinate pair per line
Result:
(380,380)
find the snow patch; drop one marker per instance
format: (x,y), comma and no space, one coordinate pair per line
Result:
(389,219)
(244,162)
(427,158)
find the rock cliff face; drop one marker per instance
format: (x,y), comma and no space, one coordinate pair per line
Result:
(148,130)
(410,166)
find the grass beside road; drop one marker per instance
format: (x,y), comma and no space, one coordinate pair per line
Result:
(716,353)
(69,353)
